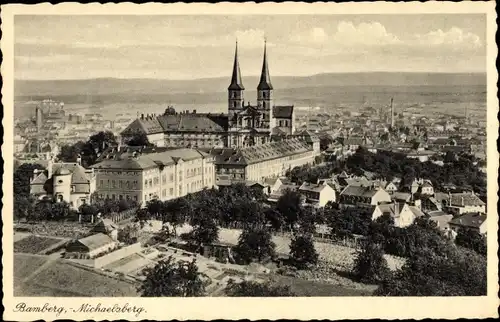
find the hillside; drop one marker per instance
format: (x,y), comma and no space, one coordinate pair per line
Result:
(112,86)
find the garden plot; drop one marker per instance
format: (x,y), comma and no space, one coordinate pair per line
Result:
(34,244)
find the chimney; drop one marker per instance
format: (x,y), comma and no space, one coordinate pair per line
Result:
(396,208)
(463,201)
(142,116)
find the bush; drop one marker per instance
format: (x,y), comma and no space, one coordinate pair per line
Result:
(302,251)
(370,266)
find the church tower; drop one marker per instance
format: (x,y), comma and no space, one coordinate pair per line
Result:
(265,91)
(235,91)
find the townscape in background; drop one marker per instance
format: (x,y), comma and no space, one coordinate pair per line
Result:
(111,196)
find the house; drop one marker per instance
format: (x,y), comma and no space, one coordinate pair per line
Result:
(273,184)
(91,246)
(441,219)
(273,197)
(362,196)
(402,213)
(464,202)
(69,182)
(475,221)
(427,188)
(317,194)
(391,187)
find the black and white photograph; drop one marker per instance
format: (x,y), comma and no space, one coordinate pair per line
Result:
(250,155)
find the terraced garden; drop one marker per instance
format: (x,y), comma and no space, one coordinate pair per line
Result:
(34,244)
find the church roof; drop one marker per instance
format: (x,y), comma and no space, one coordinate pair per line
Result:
(265,79)
(194,122)
(236,83)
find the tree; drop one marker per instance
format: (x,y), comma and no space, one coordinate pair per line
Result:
(23,176)
(156,208)
(175,213)
(302,251)
(168,278)
(255,243)
(370,266)
(128,234)
(137,138)
(23,206)
(290,207)
(204,232)
(471,239)
(60,211)
(70,153)
(254,289)
(455,272)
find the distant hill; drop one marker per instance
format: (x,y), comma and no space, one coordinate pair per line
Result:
(108,87)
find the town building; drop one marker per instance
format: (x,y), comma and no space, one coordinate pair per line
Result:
(317,194)
(132,175)
(244,125)
(473,221)
(256,163)
(465,202)
(69,182)
(403,214)
(361,196)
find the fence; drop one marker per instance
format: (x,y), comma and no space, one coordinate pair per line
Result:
(124,215)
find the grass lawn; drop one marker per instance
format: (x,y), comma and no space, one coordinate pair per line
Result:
(61,278)
(78,280)
(34,244)
(303,287)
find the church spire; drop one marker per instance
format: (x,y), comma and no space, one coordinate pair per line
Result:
(265,79)
(236,83)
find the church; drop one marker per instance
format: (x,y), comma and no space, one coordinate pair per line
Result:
(244,124)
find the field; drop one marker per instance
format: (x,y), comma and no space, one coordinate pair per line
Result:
(34,244)
(303,287)
(60,278)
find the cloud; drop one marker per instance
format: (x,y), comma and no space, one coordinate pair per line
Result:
(249,38)
(454,38)
(364,34)
(315,35)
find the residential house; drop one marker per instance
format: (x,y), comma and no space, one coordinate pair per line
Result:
(402,213)
(441,219)
(464,202)
(475,221)
(391,187)
(362,196)
(317,194)
(69,182)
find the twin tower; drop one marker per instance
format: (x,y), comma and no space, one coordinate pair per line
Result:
(236,104)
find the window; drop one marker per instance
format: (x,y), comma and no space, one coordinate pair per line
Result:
(120,197)
(101,183)
(171,177)
(113,197)
(113,183)
(171,191)
(135,198)
(83,201)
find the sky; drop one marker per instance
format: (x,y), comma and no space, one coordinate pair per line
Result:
(200,46)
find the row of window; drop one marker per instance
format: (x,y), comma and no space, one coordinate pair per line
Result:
(120,184)
(116,196)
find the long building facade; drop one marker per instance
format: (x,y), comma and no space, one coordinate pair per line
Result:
(129,174)
(243,125)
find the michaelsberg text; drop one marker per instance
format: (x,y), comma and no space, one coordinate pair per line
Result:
(116,308)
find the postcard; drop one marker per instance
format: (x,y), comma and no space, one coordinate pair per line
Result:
(250,161)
